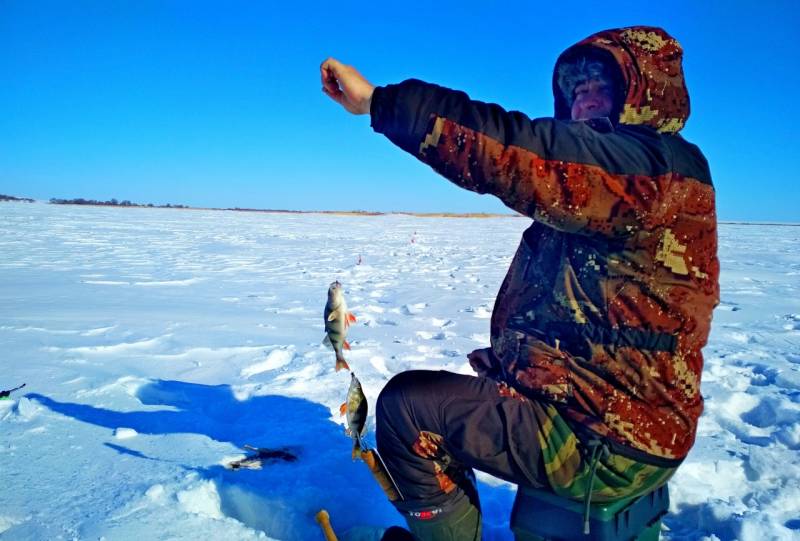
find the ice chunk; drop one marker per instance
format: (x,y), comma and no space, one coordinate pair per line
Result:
(26,408)
(202,499)
(125,433)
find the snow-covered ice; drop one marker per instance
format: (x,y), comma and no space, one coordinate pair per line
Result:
(156,343)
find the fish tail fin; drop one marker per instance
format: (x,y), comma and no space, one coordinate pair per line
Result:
(356,448)
(341,363)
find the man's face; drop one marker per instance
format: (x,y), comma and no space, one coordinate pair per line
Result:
(593,99)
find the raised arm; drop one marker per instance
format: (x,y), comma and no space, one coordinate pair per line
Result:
(565,174)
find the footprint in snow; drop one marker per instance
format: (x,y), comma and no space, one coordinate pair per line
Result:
(778,417)
(379,364)
(729,306)
(742,337)
(277,358)
(414,309)
(763,375)
(792,322)
(431,336)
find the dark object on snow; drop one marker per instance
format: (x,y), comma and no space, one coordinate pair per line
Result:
(6,394)
(259,456)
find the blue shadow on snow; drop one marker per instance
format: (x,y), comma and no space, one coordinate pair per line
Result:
(281,498)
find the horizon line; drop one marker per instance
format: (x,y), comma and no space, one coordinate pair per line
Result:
(443,214)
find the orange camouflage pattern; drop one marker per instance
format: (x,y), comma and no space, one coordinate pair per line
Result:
(651,66)
(609,297)
(429,445)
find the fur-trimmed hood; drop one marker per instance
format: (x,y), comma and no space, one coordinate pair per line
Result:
(650,67)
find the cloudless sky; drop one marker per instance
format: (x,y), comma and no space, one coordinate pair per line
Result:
(218,104)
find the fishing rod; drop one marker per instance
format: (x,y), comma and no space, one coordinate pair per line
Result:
(6,394)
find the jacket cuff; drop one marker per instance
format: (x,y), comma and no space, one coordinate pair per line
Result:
(379,108)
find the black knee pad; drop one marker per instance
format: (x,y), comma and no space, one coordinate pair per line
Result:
(400,387)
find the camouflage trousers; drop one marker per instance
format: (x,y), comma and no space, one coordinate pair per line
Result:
(435,427)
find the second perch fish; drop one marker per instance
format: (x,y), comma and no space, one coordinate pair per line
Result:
(337,320)
(356,410)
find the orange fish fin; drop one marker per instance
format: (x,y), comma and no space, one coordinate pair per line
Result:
(350,317)
(343,409)
(341,363)
(356,450)
(346,345)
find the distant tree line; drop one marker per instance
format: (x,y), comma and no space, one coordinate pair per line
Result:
(126,203)
(12,198)
(112,203)
(281,211)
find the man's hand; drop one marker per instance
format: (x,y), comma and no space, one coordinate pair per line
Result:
(346,86)
(482,361)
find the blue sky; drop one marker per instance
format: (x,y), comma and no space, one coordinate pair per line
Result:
(219,104)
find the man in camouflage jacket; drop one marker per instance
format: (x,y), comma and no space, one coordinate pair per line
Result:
(598,327)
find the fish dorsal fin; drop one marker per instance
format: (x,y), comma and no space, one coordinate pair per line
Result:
(327,341)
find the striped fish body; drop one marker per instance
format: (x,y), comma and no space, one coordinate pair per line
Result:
(337,321)
(355,408)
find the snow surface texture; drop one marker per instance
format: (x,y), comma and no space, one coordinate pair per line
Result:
(157,343)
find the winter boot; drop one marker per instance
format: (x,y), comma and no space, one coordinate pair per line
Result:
(396,533)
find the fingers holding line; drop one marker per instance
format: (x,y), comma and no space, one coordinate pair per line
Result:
(330,71)
(345,85)
(336,94)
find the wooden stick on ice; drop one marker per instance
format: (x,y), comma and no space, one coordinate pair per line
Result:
(324,520)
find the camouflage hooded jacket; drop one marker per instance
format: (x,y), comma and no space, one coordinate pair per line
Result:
(608,300)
